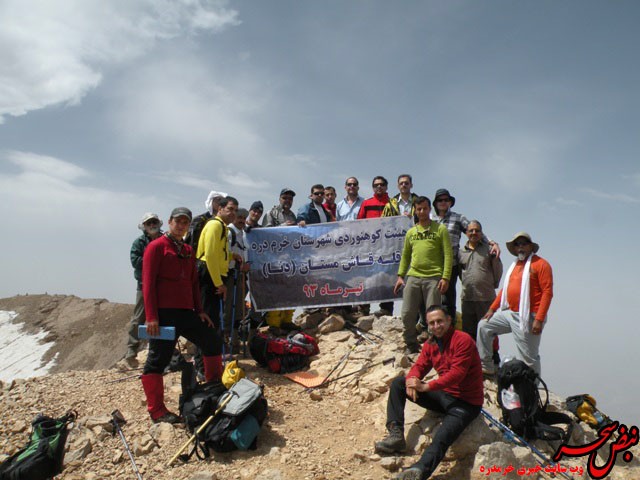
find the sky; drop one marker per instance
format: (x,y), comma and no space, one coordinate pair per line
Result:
(528,112)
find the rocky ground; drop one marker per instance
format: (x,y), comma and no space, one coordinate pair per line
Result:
(325,435)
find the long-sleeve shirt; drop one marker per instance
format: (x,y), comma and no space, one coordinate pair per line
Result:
(213,248)
(540,288)
(455,358)
(480,272)
(277,216)
(426,252)
(169,280)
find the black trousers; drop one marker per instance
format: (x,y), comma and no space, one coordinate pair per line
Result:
(212,304)
(450,294)
(458,414)
(188,325)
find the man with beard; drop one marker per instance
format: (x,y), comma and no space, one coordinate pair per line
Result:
(150,226)
(281,214)
(520,307)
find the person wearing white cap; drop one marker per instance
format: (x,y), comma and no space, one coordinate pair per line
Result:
(199,221)
(150,225)
(521,305)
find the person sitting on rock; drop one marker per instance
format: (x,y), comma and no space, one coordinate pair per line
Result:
(172,298)
(457,392)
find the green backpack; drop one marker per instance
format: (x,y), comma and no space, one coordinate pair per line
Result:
(42,458)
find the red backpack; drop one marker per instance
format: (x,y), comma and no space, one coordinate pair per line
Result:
(283,355)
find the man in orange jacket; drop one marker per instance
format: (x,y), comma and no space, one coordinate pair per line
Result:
(520,307)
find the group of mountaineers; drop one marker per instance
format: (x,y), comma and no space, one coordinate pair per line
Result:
(185,275)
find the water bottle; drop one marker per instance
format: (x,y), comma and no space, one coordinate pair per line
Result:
(510,399)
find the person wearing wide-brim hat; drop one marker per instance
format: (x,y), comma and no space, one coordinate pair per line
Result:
(456,224)
(521,306)
(150,224)
(512,247)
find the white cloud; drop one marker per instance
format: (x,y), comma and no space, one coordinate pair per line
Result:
(615,197)
(568,202)
(54,52)
(242,180)
(634,177)
(186,179)
(49,187)
(180,108)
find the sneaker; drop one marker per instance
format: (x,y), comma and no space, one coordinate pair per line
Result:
(411,473)
(393,443)
(168,418)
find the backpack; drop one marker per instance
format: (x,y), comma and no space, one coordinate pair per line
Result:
(584,408)
(195,229)
(522,407)
(283,355)
(235,427)
(43,456)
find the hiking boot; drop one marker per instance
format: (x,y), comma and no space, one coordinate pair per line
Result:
(411,473)
(168,417)
(488,374)
(411,350)
(383,312)
(393,442)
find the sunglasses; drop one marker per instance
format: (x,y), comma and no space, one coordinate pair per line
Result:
(440,200)
(318,193)
(521,243)
(352,184)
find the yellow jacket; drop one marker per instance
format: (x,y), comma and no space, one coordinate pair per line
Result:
(213,248)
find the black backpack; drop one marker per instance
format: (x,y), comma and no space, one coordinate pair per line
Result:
(195,229)
(226,432)
(42,458)
(525,412)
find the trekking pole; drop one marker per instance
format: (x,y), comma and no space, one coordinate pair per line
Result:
(543,459)
(116,420)
(361,334)
(122,379)
(200,429)
(363,369)
(244,313)
(224,340)
(342,360)
(233,309)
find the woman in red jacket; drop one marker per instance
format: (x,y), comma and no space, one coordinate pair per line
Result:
(172,298)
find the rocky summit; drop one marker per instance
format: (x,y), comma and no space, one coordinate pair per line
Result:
(328,434)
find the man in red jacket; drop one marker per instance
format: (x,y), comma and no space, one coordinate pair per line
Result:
(372,208)
(172,298)
(457,392)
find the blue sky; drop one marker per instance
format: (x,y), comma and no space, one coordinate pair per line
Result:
(526,111)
